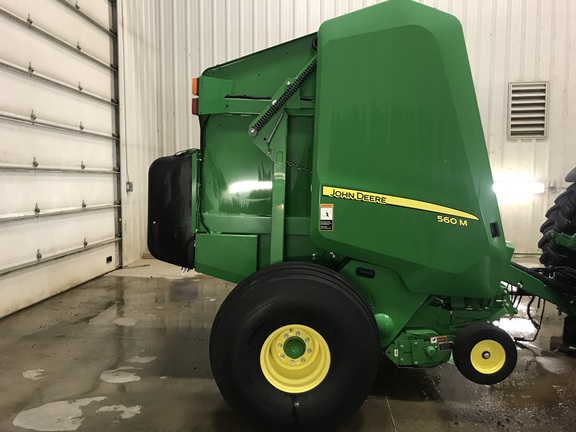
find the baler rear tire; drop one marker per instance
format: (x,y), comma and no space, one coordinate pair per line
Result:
(271,302)
(561,217)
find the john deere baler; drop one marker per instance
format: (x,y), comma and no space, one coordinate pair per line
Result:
(343,182)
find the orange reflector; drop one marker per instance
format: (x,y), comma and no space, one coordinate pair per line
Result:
(195,106)
(195,86)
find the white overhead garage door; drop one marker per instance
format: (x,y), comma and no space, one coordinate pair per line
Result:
(59,149)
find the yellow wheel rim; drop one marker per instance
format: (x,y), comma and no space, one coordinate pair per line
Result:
(295,358)
(488,356)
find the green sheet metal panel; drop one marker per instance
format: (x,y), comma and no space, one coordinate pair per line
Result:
(400,153)
(260,74)
(226,256)
(236,175)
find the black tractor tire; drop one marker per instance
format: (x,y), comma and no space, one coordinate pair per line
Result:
(294,294)
(561,217)
(484,353)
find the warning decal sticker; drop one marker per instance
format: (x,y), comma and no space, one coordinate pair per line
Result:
(326,217)
(438,339)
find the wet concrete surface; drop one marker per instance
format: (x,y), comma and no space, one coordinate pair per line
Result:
(129,352)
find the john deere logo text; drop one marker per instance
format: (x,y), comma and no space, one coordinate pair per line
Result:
(354,195)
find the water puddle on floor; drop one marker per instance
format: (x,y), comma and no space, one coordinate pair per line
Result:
(55,416)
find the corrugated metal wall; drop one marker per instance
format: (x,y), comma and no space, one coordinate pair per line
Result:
(166,43)
(140,114)
(59,199)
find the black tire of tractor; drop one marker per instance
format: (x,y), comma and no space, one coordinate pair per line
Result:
(561,217)
(475,334)
(287,294)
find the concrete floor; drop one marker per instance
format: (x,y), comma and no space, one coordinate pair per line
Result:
(129,352)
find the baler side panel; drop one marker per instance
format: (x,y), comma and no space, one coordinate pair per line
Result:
(259,75)
(237,177)
(398,134)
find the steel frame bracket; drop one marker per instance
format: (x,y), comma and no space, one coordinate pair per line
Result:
(269,132)
(276,151)
(529,284)
(568,241)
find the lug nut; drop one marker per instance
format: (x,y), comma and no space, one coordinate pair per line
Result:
(286,336)
(282,356)
(303,360)
(279,345)
(307,340)
(309,350)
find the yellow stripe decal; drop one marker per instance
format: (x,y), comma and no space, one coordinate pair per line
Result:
(356,195)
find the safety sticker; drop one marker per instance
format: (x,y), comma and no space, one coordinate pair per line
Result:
(326,217)
(438,339)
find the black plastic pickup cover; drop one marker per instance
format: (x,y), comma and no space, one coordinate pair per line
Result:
(170,236)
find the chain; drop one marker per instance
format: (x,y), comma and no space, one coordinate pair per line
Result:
(298,167)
